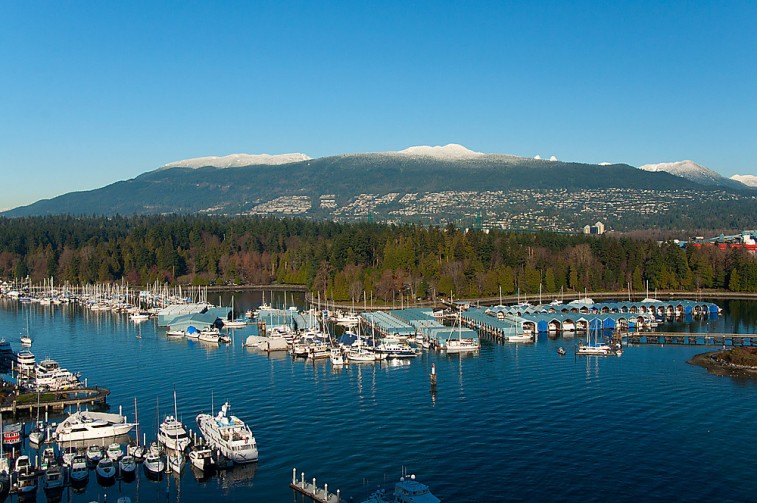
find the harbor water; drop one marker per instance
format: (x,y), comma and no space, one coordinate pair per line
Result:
(513,422)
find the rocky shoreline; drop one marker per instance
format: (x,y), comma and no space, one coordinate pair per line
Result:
(734,362)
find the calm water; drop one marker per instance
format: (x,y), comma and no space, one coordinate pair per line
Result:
(516,422)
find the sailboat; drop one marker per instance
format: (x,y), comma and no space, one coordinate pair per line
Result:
(137,451)
(234,323)
(26,341)
(461,344)
(180,443)
(594,348)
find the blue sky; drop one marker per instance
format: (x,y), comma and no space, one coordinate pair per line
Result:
(94,92)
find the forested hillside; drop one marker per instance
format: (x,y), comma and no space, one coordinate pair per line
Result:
(346,259)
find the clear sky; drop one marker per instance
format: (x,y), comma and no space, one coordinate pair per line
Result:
(95,92)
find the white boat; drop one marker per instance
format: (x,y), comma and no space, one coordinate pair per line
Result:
(25,362)
(201,458)
(140,316)
(26,476)
(106,469)
(154,462)
(176,461)
(94,454)
(79,471)
(229,434)
(114,452)
(89,425)
(26,341)
(461,344)
(526,337)
(395,349)
(594,348)
(235,323)
(337,357)
(38,433)
(127,465)
(173,435)
(175,333)
(210,335)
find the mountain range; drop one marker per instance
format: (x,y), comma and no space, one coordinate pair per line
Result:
(338,186)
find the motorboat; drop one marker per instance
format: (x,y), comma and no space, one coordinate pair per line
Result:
(48,458)
(139,316)
(89,425)
(94,454)
(201,458)
(26,341)
(175,333)
(53,479)
(229,434)
(154,462)
(173,435)
(561,351)
(25,362)
(127,465)
(336,356)
(26,476)
(394,349)
(407,490)
(210,335)
(137,451)
(79,472)
(106,470)
(114,452)
(68,454)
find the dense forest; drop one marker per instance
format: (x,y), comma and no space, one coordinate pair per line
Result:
(344,260)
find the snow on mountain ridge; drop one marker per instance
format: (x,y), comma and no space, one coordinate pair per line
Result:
(449,151)
(237,160)
(748,180)
(685,169)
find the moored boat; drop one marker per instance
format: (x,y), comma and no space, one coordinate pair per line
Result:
(89,425)
(106,470)
(173,435)
(229,434)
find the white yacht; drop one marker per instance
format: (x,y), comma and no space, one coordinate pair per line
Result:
(25,362)
(229,435)
(210,335)
(173,435)
(88,425)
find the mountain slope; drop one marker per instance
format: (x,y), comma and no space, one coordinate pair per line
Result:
(238,190)
(694,172)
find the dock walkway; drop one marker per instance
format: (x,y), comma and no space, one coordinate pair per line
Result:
(63,399)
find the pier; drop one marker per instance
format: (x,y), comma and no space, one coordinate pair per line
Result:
(312,491)
(60,400)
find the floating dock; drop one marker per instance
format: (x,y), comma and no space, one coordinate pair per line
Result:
(691,338)
(63,399)
(312,491)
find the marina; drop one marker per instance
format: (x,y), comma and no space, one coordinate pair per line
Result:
(375,407)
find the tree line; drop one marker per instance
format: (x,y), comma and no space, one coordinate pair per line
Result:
(344,260)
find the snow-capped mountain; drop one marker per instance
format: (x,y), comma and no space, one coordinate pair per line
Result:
(237,161)
(750,180)
(449,151)
(692,171)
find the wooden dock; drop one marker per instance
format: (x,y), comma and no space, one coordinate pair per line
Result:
(311,490)
(691,338)
(62,399)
